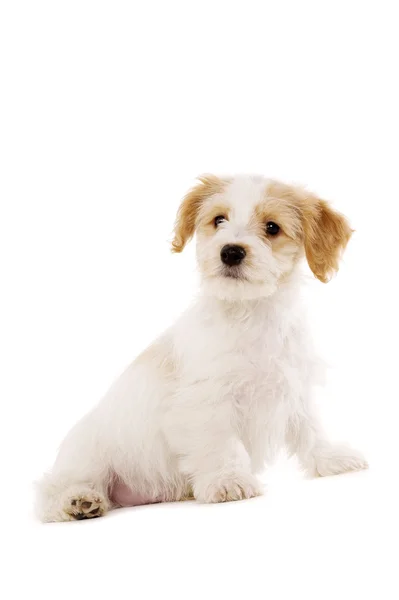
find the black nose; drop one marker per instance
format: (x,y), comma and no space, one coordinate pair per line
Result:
(232,255)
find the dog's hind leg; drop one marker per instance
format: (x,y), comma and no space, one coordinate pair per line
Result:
(60,500)
(77,487)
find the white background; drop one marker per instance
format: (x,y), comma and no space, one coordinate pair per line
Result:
(108,112)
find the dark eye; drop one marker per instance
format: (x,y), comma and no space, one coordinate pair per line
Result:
(219,219)
(272,228)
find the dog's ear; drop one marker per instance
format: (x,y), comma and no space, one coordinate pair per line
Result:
(186,219)
(326,234)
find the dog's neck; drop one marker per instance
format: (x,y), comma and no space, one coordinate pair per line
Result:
(282,302)
(286,291)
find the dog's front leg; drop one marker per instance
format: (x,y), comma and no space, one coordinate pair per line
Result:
(316,453)
(210,453)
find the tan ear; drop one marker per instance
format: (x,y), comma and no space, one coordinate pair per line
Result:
(326,234)
(186,219)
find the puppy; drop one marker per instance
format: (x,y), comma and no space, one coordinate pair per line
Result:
(214,398)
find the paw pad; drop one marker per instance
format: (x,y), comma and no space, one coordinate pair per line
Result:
(85,507)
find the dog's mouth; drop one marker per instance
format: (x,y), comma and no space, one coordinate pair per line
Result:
(233,273)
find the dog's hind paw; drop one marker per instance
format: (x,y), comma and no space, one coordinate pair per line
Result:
(86,505)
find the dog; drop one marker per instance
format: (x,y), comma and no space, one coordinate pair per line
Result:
(202,411)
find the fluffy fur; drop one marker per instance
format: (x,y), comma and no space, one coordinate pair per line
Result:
(212,401)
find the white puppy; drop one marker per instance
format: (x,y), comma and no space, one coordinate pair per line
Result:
(202,410)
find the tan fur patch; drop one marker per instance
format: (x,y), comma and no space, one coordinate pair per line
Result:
(207,214)
(325,231)
(158,355)
(285,214)
(186,219)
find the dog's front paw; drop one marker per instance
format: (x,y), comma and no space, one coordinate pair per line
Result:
(85,505)
(339,459)
(227,488)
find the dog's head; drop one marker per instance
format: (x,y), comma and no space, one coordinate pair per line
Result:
(251,233)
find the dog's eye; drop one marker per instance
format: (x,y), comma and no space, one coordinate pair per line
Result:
(272,228)
(219,219)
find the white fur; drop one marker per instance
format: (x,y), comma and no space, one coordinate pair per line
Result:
(213,400)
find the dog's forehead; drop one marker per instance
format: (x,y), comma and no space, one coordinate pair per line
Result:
(243,194)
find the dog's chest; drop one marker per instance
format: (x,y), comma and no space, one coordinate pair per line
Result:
(245,353)
(257,362)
